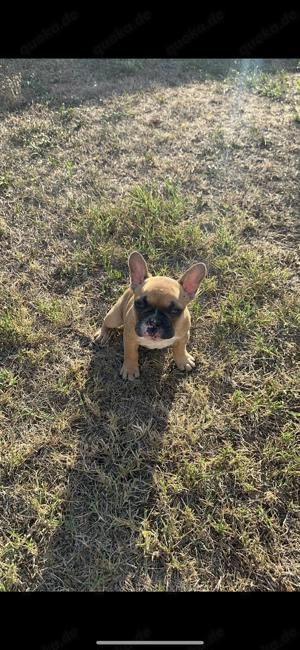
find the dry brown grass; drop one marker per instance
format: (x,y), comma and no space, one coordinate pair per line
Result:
(176,482)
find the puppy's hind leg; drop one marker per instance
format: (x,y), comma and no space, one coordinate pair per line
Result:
(113,319)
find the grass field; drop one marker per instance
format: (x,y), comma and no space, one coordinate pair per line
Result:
(174,482)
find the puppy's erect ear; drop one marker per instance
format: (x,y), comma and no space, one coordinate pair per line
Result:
(191,279)
(138,269)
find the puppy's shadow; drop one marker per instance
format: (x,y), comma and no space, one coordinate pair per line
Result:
(110,488)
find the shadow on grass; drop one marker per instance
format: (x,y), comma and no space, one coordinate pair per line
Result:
(60,82)
(110,489)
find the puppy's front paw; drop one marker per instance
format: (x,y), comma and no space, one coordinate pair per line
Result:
(187,362)
(102,335)
(129,371)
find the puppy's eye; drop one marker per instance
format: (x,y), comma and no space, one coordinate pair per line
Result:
(141,303)
(175,311)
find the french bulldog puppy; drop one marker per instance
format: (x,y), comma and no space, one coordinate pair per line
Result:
(153,312)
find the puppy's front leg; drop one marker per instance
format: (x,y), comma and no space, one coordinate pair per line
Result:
(130,367)
(183,359)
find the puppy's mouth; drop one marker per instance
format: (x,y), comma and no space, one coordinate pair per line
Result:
(154,336)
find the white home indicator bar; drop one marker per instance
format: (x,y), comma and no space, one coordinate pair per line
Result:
(150,642)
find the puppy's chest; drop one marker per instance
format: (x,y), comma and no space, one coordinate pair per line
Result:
(154,345)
